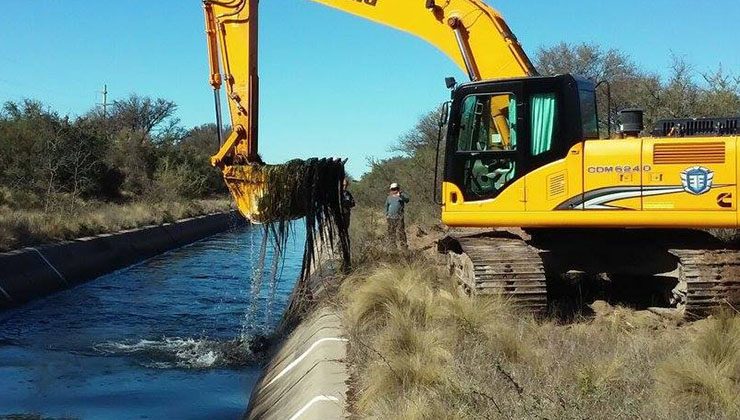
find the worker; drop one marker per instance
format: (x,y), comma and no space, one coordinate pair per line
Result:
(394,210)
(347,203)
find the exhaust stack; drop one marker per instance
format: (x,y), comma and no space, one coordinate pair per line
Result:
(631,122)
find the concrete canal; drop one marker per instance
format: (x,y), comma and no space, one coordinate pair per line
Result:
(167,338)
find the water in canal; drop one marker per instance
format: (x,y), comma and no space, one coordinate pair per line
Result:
(166,338)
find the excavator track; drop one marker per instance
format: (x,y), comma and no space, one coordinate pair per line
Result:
(506,266)
(709,279)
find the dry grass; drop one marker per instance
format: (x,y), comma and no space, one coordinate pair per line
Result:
(728,236)
(705,375)
(20,227)
(419,350)
(368,238)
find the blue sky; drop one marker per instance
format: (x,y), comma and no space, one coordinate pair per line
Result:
(332,84)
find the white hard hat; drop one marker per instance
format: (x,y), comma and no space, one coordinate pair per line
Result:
(394,186)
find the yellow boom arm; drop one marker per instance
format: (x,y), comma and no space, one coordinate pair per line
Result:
(231,31)
(469,32)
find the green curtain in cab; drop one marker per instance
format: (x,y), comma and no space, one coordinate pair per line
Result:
(543,108)
(512,122)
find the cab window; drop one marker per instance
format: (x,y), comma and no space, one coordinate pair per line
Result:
(488,123)
(588,114)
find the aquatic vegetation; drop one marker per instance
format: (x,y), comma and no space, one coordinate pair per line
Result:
(299,189)
(309,189)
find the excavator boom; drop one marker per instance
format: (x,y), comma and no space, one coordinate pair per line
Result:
(470,33)
(231,33)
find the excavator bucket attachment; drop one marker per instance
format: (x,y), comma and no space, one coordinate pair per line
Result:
(299,188)
(312,189)
(247,185)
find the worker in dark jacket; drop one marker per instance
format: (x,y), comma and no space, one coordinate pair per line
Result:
(394,210)
(348,202)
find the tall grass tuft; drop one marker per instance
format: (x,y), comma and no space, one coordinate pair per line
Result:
(420,350)
(705,376)
(389,288)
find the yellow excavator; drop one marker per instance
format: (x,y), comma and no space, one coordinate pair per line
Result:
(523,150)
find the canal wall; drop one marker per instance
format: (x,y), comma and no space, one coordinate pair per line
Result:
(33,272)
(307,376)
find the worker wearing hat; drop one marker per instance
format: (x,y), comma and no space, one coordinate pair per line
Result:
(394,209)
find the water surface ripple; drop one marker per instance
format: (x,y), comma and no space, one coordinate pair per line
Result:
(167,338)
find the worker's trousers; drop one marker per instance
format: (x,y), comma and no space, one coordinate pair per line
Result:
(397,233)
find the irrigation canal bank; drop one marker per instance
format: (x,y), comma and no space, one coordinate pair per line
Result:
(166,338)
(33,272)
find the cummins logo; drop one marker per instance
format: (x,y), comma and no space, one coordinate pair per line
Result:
(724,200)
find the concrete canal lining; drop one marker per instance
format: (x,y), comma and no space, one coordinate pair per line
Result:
(30,273)
(307,376)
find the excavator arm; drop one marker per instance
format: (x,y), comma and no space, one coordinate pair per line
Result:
(469,32)
(231,33)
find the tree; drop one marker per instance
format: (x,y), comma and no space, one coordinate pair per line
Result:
(192,154)
(722,96)
(681,95)
(21,128)
(629,86)
(46,154)
(142,115)
(138,125)
(139,150)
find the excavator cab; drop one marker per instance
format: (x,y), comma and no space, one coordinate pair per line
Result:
(499,131)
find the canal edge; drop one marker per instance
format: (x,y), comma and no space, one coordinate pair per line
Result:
(30,273)
(307,376)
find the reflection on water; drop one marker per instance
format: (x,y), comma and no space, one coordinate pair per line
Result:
(167,338)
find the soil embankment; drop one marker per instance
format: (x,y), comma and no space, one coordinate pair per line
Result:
(397,339)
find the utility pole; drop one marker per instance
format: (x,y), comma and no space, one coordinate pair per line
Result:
(105,101)
(105,109)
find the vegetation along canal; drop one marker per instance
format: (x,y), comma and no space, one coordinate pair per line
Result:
(167,338)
